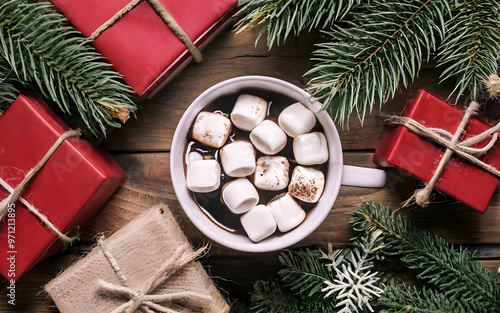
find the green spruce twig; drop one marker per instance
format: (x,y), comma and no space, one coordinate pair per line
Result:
(282,18)
(402,299)
(314,281)
(304,273)
(453,273)
(272,296)
(376,47)
(8,87)
(470,52)
(41,51)
(381,45)
(452,281)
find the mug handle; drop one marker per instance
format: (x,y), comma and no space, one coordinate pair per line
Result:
(363,177)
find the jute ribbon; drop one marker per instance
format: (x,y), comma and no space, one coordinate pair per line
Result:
(164,15)
(142,299)
(453,145)
(15,193)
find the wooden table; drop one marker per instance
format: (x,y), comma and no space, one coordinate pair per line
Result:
(142,148)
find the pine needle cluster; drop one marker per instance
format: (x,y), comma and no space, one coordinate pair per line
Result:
(8,86)
(283,18)
(383,44)
(313,281)
(423,301)
(297,290)
(470,52)
(40,51)
(272,296)
(455,281)
(375,47)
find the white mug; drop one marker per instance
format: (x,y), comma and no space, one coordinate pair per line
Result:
(337,175)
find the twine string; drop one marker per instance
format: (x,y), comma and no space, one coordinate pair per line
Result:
(15,193)
(166,18)
(143,299)
(453,146)
(129,7)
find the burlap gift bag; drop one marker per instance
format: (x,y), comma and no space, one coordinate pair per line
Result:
(147,266)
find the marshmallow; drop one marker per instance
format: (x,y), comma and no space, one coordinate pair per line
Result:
(211,129)
(238,159)
(307,184)
(271,173)
(311,148)
(203,176)
(258,223)
(248,112)
(268,137)
(286,211)
(240,195)
(193,157)
(296,120)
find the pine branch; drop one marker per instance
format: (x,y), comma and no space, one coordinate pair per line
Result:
(273,297)
(283,18)
(402,299)
(241,307)
(378,46)
(455,283)
(8,88)
(454,273)
(304,273)
(341,278)
(470,52)
(382,44)
(308,278)
(46,54)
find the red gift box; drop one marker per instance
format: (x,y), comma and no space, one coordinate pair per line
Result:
(69,189)
(140,45)
(419,157)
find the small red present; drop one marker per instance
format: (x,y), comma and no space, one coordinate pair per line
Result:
(466,181)
(139,44)
(68,190)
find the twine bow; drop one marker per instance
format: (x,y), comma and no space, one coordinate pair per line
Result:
(143,299)
(453,145)
(15,193)
(166,18)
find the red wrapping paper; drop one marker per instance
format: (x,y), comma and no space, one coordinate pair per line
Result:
(140,46)
(69,190)
(461,180)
